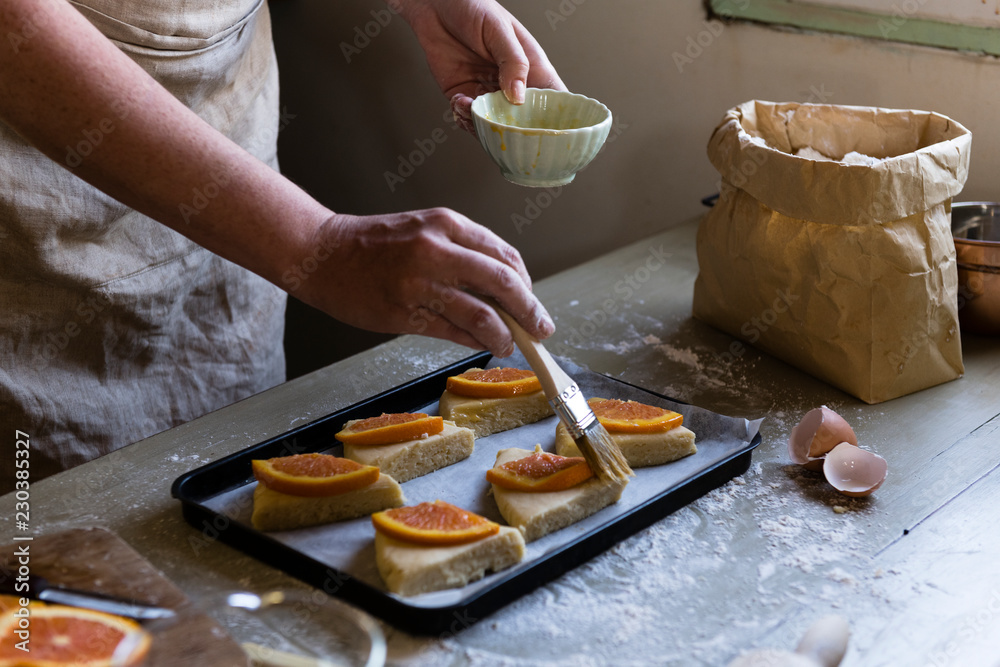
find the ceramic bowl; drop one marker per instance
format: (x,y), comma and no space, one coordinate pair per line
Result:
(975,227)
(546,140)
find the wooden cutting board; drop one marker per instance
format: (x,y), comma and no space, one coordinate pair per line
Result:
(95,559)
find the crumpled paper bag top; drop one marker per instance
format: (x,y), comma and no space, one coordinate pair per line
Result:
(923,159)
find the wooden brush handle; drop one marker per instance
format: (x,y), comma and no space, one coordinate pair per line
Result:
(552,378)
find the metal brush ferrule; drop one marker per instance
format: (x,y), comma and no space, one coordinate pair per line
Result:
(573,411)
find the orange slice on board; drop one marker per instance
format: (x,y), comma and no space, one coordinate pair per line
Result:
(70,637)
(434,524)
(10,603)
(541,471)
(313,475)
(390,428)
(494,383)
(633,417)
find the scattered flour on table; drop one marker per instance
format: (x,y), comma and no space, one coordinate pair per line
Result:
(189,457)
(637,599)
(705,369)
(771,534)
(685,356)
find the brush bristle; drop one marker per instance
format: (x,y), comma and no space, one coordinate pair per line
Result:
(603,454)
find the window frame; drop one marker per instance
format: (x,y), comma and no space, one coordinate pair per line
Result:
(899,26)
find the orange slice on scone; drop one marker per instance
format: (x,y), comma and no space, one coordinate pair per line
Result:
(494,383)
(313,475)
(390,428)
(434,524)
(539,472)
(633,417)
(70,636)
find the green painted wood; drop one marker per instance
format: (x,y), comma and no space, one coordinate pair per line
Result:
(900,26)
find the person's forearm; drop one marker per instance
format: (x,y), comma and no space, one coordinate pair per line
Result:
(67,80)
(402,272)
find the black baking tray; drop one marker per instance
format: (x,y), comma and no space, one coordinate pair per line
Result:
(196,488)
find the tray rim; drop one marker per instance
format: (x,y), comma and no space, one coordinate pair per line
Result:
(190,489)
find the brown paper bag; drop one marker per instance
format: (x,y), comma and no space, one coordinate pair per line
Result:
(845,269)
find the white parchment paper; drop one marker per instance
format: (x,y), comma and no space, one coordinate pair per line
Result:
(348,546)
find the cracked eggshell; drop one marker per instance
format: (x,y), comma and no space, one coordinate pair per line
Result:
(854,471)
(820,430)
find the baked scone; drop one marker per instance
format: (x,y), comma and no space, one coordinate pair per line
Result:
(406,460)
(273,510)
(639,449)
(647,435)
(411,569)
(409,566)
(311,489)
(469,406)
(539,513)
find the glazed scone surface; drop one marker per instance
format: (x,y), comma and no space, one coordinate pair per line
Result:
(273,510)
(411,569)
(639,449)
(404,461)
(539,514)
(486,416)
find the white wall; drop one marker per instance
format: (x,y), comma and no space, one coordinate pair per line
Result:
(354,119)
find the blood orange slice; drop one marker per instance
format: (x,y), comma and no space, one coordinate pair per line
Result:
(541,472)
(633,417)
(494,383)
(70,637)
(390,428)
(434,524)
(313,475)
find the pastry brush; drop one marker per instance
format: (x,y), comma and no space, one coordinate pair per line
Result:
(601,452)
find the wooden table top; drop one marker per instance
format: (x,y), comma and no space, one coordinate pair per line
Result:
(752,564)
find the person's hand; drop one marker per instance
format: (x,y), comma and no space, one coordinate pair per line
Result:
(475,47)
(409,272)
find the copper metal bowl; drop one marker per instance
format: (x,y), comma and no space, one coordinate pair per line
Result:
(976,229)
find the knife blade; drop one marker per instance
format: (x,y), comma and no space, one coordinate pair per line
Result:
(40,589)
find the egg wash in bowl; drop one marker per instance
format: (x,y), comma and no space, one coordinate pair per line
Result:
(545,141)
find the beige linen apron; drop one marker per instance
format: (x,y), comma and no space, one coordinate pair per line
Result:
(112,326)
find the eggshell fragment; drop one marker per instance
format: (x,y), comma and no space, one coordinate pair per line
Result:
(854,471)
(820,430)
